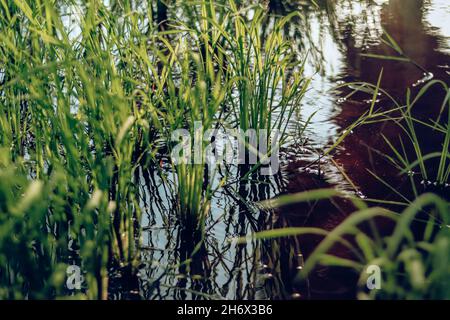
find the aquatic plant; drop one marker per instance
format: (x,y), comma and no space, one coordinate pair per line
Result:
(71,119)
(193,105)
(91,93)
(411,266)
(269,83)
(436,175)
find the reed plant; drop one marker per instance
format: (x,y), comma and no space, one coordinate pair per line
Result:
(189,96)
(440,175)
(72,117)
(269,82)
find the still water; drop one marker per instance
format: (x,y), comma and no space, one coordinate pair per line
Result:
(336,36)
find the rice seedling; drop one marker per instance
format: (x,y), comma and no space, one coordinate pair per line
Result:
(196,108)
(269,84)
(419,163)
(191,104)
(403,115)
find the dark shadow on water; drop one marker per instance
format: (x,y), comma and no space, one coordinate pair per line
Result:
(182,264)
(364,149)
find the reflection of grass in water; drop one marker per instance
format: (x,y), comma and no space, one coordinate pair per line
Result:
(414,256)
(78,116)
(412,266)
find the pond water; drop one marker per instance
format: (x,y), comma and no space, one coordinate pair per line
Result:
(420,29)
(336,34)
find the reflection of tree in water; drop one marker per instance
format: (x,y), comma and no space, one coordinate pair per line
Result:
(404,21)
(174,267)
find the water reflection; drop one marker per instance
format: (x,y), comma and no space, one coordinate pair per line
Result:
(359,30)
(179,264)
(405,22)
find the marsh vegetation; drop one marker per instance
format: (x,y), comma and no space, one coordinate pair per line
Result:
(340,111)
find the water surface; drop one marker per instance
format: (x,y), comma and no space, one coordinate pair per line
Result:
(336,35)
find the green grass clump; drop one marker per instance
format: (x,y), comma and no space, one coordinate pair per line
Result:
(269,81)
(193,105)
(44,229)
(70,112)
(412,266)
